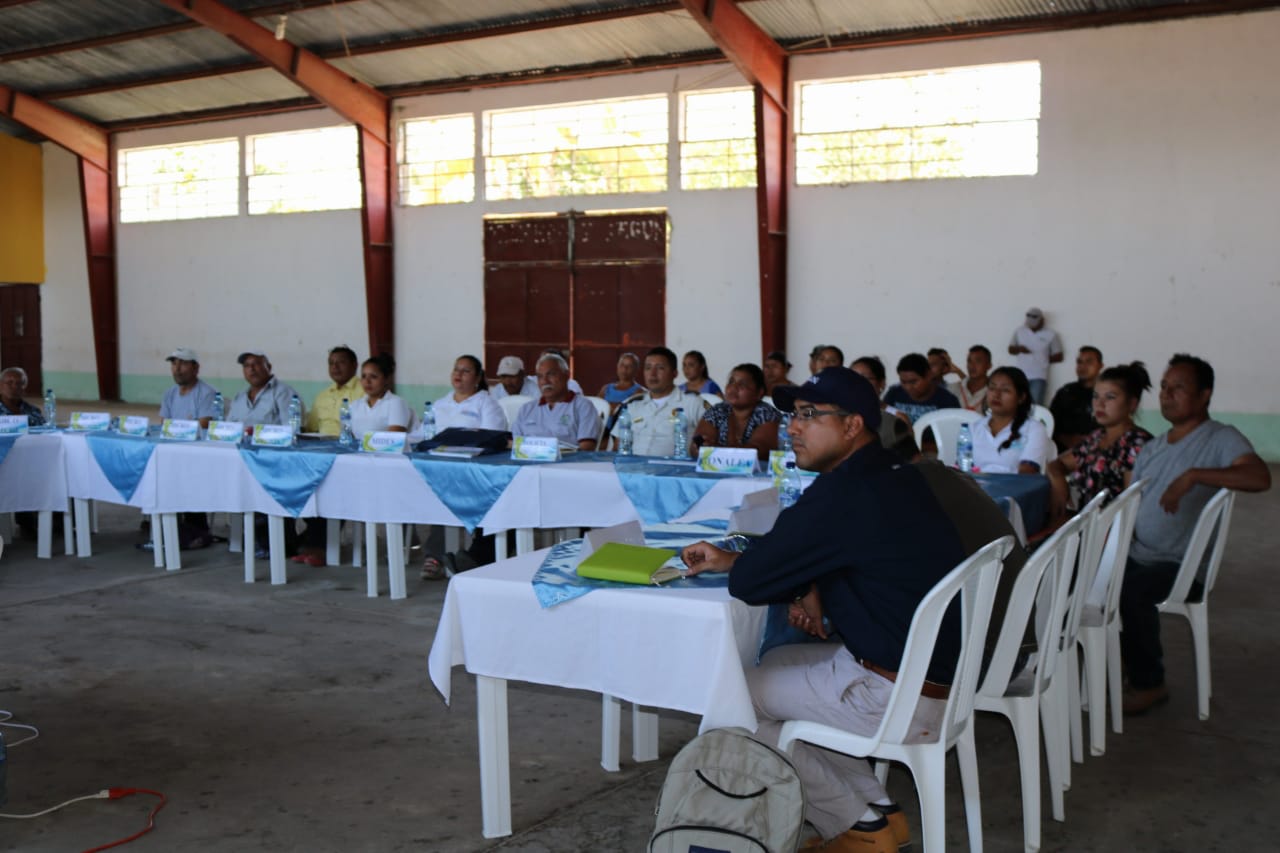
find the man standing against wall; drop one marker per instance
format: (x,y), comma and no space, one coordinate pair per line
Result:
(1036,347)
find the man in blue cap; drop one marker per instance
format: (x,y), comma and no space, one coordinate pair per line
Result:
(863,545)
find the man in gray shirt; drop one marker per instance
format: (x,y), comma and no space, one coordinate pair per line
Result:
(1183,469)
(190,398)
(266,400)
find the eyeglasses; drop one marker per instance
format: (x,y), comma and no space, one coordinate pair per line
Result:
(808,413)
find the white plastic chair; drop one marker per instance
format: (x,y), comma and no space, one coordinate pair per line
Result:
(1037,692)
(602,409)
(511,406)
(1212,525)
(974,581)
(1099,635)
(1086,568)
(1044,416)
(946,429)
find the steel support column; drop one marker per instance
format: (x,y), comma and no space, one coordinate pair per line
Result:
(764,63)
(375,226)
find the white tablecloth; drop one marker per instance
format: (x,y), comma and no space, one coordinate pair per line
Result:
(33,475)
(683,649)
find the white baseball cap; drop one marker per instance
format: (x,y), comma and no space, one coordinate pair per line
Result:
(510,365)
(183,354)
(259,353)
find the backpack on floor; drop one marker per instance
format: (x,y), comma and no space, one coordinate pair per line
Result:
(728,793)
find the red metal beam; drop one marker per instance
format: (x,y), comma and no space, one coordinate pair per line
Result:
(92,146)
(763,62)
(359,103)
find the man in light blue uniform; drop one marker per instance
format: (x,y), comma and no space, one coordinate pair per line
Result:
(190,398)
(266,400)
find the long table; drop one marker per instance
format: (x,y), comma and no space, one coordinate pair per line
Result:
(702,639)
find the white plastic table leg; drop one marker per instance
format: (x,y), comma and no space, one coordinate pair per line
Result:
(644,734)
(275,544)
(452,538)
(371,559)
(157,540)
(495,756)
(610,731)
(68,528)
(357,550)
(499,545)
(250,534)
(235,532)
(172,546)
(333,542)
(524,540)
(395,560)
(44,534)
(84,526)
(93,516)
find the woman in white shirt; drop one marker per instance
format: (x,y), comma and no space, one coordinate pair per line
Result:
(380,410)
(470,404)
(1009,440)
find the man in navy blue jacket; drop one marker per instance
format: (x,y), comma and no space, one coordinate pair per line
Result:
(864,544)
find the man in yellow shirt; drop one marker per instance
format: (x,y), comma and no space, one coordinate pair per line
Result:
(323,416)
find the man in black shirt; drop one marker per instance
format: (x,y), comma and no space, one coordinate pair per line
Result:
(864,544)
(1072,406)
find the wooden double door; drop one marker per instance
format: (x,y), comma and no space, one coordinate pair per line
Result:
(591,285)
(20,342)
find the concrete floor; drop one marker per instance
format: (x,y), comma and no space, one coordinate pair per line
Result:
(301,718)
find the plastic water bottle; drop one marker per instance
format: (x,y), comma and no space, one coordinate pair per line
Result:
(964,449)
(680,434)
(50,408)
(295,417)
(219,407)
(428,422)
(784,437)
(623,431)
(346,438)
(790,487)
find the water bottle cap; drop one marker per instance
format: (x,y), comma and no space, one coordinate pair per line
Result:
(791,465)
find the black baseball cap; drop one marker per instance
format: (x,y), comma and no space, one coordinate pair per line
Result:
(836,386)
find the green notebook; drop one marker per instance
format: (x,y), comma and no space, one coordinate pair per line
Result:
(614,561)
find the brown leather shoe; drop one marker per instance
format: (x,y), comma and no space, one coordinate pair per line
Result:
(1138,702)
(860,841)
(897,824)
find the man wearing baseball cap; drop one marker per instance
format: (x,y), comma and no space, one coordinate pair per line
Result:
(190,398)
(513,381)
(864,544)
(1036,347)
(266,400)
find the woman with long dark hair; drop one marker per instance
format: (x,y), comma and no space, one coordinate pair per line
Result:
(744,419)
(697,380)
(380,409)
(1104,460)
(469,404)
(1008,440)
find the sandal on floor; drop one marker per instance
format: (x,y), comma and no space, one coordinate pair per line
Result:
(432,569)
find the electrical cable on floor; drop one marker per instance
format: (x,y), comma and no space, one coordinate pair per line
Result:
(5,716)
(106,794)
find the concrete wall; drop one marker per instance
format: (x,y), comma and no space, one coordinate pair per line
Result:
(1146,231)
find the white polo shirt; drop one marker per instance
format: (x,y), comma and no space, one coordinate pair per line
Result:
(479,411)
(1043,344)
(570,421)
(1032,445)
(391,410)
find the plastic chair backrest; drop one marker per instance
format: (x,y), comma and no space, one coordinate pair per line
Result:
(974,581)
(511,406)
(1115,524)
(1044,416)
(1212,524)
(1086,565)
(709,400)
(768,401)
(1044,583)
(946,429)
(602,409)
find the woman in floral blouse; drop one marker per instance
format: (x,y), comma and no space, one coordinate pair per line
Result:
(744,419)
(1104,460)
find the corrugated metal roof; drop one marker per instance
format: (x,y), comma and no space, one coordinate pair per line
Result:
(95,57)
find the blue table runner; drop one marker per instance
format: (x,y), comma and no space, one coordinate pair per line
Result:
(291,475)
(122,458)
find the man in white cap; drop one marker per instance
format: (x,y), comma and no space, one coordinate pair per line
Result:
(513,381)
(266,400)
(190,398)
(1036,347)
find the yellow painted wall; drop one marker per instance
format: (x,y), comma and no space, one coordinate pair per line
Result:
(21,212)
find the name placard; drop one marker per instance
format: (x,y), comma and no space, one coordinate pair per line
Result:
(535,448)
(231,431)
(90,421)
(727,460)
(14,424)
(778,465)
(383,442)
(133,425)
(272,435)
(174,429)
